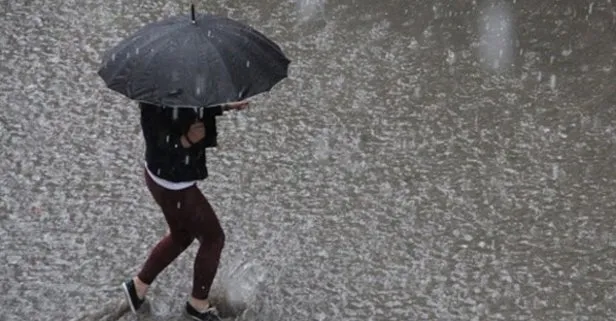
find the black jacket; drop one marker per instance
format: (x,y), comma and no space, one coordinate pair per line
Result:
(162,128)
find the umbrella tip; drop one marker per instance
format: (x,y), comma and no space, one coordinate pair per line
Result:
(192,12)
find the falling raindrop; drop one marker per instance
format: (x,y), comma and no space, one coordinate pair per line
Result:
(167,138)
(113,57)
(413,44)
(158,171)
(555,171)
(417,92)
(175,113)
(137,51)
(553,82)
(247,63)
(179,205)
(451,57)
(209,33)
(199,84)
(201,112)
(187,160)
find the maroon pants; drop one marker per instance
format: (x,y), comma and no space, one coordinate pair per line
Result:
(189,216)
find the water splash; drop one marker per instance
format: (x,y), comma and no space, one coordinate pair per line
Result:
(309,9)
(238,286)
(496,40)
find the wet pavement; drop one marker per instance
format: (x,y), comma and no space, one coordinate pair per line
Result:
(425,160)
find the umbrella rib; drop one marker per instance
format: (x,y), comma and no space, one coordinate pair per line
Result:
(151,41)
(145,30)
(227,74)
(151,58)
(262,51)
(237,61)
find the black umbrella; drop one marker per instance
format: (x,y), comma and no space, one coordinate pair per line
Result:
(194,61)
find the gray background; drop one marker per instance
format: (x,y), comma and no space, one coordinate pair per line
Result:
(425,160)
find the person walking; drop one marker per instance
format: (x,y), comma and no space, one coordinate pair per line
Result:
(175,160)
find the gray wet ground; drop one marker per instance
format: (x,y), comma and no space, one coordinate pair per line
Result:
(425,160)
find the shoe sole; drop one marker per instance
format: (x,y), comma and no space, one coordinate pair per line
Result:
(130,302)
(191,317)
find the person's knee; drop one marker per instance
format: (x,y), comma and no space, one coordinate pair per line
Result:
(215,237)
(219,240)
(182,239)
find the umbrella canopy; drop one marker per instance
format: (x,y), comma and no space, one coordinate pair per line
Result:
(194,61)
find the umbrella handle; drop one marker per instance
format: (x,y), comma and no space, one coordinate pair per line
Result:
(192,12)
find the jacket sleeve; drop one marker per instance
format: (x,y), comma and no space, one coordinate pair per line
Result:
(158,129)
(211,111)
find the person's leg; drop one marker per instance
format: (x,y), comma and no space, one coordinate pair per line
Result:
(206,228)
(170,246)
(163,253)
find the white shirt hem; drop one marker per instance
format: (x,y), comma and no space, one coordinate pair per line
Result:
(167,184)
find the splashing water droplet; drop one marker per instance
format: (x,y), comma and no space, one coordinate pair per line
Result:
(496,37)
(309,9)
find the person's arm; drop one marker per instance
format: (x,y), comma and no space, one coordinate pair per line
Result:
(159,128)
(220,109)
(213,111)
(236,105)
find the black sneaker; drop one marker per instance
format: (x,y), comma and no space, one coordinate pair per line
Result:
(131,296)
(210,314)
